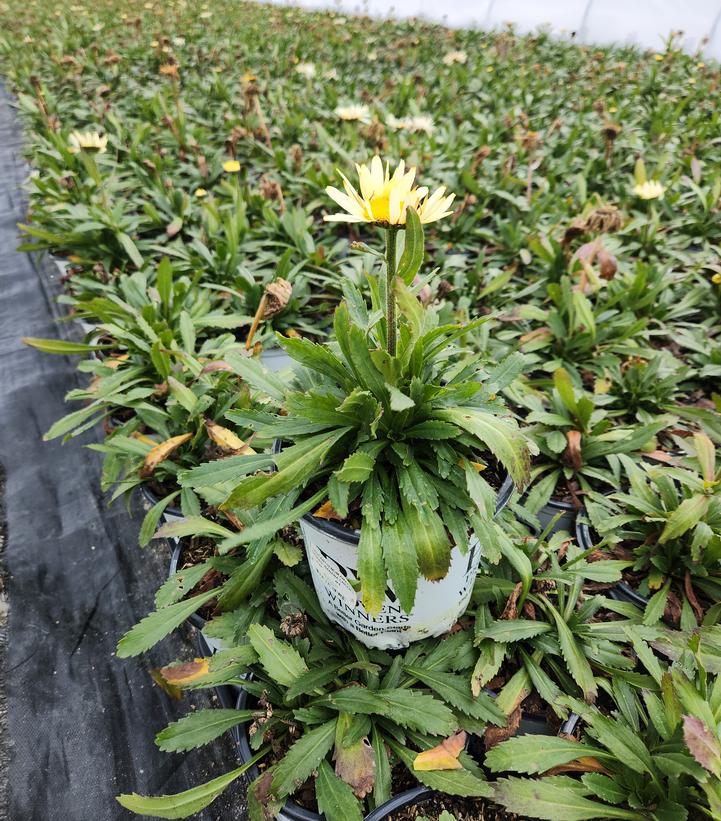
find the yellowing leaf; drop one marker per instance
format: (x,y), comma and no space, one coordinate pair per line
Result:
(325,511)
(601,386)
(356,765)
(477,466)
(226,439)
(442,757)
(171,689)
(115,361)
(141,437)
(179,674)
(161,452)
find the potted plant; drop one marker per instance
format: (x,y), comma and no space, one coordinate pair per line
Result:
(341,727)
(669,524)
(579,447)
(541,631)
(389,432)
(195,567)
(653,758)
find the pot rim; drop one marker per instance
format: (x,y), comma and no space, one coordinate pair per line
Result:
(291,811)
(398,802)
(621,591)
(345,534)
(171,509)
(194,618)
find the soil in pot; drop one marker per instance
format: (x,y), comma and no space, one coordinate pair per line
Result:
(195,551)
(464,809)
(628,590)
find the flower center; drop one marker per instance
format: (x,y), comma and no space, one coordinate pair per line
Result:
(380,208)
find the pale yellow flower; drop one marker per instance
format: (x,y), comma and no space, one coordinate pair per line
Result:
(384,198)
(306,70)
(87,141)
(649,190)
(354,111)
(716,279)
(200,192)
(231,166)
(658,57)
(455,57)
(421,122)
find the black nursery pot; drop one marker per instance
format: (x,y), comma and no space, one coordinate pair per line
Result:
(171,513)
(409,798)
(621,591)
(567,520)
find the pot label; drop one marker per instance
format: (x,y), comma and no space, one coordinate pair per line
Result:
(333,565)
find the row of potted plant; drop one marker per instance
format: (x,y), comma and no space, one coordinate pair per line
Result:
(403,441)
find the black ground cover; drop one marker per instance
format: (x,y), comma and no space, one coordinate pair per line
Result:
(80,723)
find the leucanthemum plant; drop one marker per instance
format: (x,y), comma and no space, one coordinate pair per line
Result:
(386,429)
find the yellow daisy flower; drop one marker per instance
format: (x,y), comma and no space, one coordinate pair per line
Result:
(384,198)
(87,141)
(354,111)
(649,190)
(455,57)
(231,166)
(200,192)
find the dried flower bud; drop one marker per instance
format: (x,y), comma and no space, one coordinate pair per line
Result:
(444,288)
(604,219)
(296,156)
(293,625)
(611,130)
(270,189)
(607,264)
(277,294)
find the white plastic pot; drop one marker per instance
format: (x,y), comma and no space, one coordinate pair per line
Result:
(276,359)
(332,553)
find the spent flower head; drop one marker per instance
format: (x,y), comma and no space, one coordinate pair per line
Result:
(384,198)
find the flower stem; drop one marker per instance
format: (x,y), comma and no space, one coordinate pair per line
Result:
(391,236)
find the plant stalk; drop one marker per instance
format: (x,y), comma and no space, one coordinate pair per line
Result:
(256,321)
(391,237)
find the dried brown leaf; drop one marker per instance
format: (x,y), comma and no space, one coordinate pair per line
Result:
(161,452)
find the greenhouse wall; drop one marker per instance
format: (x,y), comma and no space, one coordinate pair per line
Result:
(645,23)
